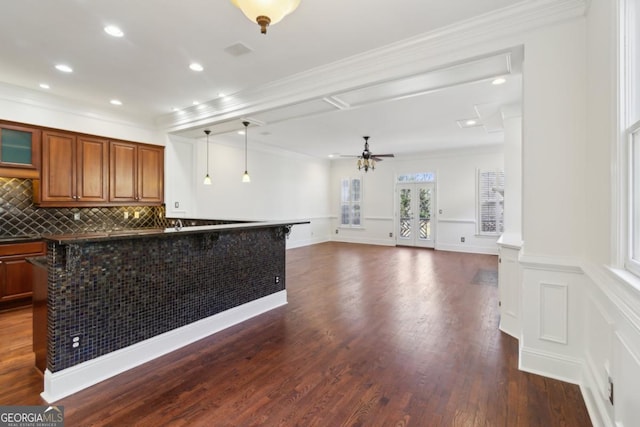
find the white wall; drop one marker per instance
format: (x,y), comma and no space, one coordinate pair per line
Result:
(455,196)
(32,107)
(284,186)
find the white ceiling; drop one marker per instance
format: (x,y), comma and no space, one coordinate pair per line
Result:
(148,69)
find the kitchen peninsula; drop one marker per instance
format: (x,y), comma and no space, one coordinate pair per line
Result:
(116,300)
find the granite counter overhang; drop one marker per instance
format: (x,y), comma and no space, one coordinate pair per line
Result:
(67,239)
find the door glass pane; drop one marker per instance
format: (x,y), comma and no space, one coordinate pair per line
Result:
(16,146)
(405,213)
(425,214)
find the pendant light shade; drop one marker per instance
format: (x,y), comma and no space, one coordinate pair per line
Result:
(207,178)
(245,177)
(266,12)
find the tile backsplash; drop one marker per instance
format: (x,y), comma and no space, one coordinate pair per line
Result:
(20,217)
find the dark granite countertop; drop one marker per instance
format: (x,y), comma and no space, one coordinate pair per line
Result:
(20,239)
(76,238)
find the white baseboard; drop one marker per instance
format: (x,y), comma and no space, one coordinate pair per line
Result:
(466,248)
(292,244)
(551,365)
(593,399)
(379,242)
(71,380)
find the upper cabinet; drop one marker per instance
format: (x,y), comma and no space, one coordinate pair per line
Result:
(19,150)
(75,170)
(81,170)
(136,173)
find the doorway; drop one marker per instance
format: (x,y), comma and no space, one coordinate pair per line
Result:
(416,204)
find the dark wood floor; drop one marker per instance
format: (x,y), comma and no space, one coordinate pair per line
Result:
(372,336)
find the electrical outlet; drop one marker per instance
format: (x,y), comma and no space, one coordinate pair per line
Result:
(336,231)
(390,234)
(136,214)
(462,239)
(126,215)
(76,341)
(277,279)
(76,216)
(440,211)
(176,205)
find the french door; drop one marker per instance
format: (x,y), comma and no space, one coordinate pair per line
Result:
(416,205)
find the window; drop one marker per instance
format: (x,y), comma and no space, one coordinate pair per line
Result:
(418,177)
(630,118)
(351,202)
(490,202)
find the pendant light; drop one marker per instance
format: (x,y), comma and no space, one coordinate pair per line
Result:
(245,177)
(207,178)
(266,12)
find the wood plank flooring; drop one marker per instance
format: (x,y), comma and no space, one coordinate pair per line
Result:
(372,336)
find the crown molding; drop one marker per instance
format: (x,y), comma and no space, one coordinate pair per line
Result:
(428,51)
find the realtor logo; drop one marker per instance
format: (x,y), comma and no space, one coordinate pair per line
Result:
(31,416)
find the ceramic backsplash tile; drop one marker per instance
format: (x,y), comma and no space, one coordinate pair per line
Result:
(19,216)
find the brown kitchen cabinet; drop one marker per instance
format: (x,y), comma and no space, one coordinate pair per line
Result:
(19,150)
(16,273)
(75,170)
(136,173)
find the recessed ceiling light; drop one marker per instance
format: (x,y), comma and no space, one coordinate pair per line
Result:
(64,68)
(196,67)
(468,123)
(499,81)
(116,102)
(221,95)
(114,31)
(45,86)
(240,132)
(196,102)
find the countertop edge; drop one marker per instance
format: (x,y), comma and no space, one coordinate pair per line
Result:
(67,239)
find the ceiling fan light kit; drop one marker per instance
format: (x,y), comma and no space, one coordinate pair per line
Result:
(367,160)
(266,12)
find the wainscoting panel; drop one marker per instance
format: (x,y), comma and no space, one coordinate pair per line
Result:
(626,394)
(553,312)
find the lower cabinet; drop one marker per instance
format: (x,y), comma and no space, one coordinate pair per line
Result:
(16,275)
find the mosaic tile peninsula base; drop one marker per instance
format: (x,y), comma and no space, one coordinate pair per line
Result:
(113,293)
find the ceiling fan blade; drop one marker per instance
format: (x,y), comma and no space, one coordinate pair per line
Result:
(349,155)
(382,155)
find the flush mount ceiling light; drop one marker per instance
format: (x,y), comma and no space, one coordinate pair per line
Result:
(266,12)
(207,178)
(245,177)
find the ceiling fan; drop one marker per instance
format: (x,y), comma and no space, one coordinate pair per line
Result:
(367,160)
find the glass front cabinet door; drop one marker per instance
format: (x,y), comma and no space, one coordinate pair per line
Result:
(19,151)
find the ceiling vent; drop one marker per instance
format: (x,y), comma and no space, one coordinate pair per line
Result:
(238,49)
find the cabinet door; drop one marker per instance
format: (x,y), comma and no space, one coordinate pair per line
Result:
(58,167)
(150,174)
(122,172)
(19,151)
(92,165)
(15,278)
